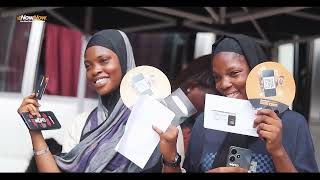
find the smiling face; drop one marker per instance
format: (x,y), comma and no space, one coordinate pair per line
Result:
(230,71)
(103,69)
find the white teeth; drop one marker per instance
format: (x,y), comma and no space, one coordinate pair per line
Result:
(102,80)
(232,95)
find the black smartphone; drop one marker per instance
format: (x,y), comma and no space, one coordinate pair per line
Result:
(269,83)
(47,121)
(41,86)
(239,157)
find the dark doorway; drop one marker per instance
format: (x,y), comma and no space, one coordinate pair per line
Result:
(302,76)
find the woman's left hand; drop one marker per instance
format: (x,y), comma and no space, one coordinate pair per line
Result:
(269,127)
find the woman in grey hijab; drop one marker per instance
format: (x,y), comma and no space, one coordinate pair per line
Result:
(108,57)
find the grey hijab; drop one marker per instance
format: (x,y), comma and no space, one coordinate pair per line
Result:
(96,150)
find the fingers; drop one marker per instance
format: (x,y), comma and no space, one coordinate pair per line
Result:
(259,119)
(31,101)
(171,127)
(172,130)
(228,170)
(266,127)
(269,125)
(268,112)
(267,132)
(268,117)
(157,130)
(266,120)
(242,170)
(33,110)
(29,104)
(33,95)
(169,136)
(268,136)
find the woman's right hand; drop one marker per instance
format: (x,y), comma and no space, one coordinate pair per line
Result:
(31,105)
(168,142)
(228,170)
(45,162)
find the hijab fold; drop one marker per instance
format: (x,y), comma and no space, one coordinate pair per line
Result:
(240,44)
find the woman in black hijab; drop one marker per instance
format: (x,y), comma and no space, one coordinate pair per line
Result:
(284,143)
(90,142)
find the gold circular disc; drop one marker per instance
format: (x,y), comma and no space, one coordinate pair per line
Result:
(271,81)
(144,79)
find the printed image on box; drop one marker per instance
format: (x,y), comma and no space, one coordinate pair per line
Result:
(47,121)
(227,117)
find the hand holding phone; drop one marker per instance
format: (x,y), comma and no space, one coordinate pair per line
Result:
(30,103)
(29,111)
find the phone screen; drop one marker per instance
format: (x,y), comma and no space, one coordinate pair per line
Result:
(269,84)
(141,85)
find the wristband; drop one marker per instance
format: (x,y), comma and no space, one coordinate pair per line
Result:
(173,164)
(41,152)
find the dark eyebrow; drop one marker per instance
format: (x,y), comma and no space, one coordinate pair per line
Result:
(99,57)
(233,68)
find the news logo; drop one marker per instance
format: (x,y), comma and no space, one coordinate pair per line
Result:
(25,18)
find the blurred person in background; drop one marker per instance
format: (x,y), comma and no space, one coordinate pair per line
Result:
(195,81)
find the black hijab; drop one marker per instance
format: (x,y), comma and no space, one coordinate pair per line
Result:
(112,40)
(254,55)
(242,45)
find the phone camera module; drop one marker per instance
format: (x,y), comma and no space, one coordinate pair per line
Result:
(232,158)
(233,151)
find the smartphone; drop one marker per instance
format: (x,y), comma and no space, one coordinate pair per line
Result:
(41,86)
(239,157)
(269,83)
(47,121)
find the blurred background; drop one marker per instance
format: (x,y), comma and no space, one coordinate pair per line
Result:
(168,38)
